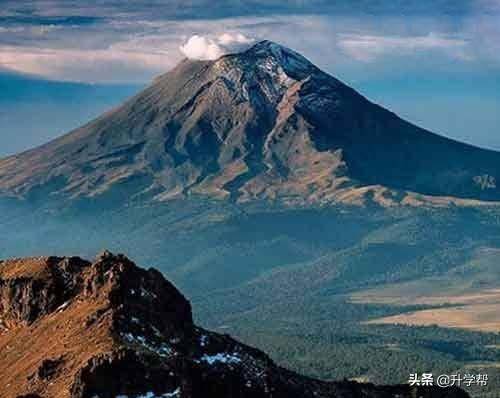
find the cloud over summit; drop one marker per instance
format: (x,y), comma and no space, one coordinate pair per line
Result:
(206,49)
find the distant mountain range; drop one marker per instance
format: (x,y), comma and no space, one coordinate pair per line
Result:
(265,124)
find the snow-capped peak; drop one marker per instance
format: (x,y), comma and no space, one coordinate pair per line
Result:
(291,61)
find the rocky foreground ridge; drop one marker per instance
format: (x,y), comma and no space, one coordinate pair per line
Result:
(108,329)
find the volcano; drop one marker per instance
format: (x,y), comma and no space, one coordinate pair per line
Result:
(261,125)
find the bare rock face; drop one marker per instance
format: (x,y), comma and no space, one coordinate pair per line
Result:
(266,125)
(33,288)
(108,329)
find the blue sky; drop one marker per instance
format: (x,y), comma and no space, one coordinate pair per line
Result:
(436,63)
(33,111)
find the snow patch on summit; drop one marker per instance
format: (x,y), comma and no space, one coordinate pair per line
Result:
(289,60)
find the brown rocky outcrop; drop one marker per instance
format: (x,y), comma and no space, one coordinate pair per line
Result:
(108,329)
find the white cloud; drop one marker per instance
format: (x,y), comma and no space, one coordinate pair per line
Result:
(15,29)
(237,40)
(136,58)
(136,50)
(204,48)
(124,54)
(117,63)
(199,47)
(370,47)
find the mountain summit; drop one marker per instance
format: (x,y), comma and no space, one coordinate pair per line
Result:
(264,124)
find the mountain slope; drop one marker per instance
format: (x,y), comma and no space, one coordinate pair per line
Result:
(70,328)
(263,124)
